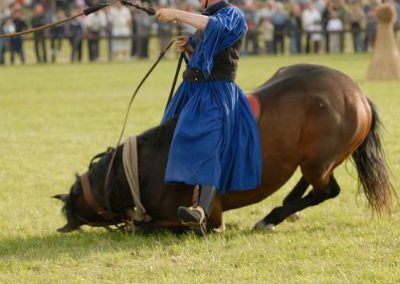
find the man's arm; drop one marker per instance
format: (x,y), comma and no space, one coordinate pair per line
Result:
(168,15)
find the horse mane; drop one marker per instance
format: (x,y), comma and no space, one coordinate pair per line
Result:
(160,134)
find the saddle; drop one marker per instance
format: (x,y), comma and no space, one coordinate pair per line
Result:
(255,106)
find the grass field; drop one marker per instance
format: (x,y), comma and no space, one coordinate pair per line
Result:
(53,119)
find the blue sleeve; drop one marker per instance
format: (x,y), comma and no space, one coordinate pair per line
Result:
(223,29)
(192,41)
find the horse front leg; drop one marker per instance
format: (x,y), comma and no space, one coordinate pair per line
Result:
(315,197)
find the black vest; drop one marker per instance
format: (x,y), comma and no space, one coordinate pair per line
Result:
(225,63)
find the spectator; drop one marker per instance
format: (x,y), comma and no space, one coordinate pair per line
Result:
(56,35)
(370,27)
(335,30)
(17,43)
(5,10)
(326,16)
(268,10)
(311,20)
(339,8)
(295,29)
(280,21)
(2,44)
(356,18)
(316,36)
(39,20)
(8,27)
(121,20)
(76,31)
(95,24)
(109,34)
(267,32)
(143,32)
(250,14)
(396,5)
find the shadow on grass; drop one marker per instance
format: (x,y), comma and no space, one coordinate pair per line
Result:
(79,244)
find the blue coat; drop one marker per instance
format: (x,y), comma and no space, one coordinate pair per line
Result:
(216,140)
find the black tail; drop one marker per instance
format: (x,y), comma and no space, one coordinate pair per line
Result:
(372,168)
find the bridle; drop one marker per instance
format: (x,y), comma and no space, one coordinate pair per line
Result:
(111,217)
(91,201)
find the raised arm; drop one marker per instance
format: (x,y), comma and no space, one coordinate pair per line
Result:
(168,15)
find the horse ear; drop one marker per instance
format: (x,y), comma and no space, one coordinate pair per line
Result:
(68,228)
(62,197)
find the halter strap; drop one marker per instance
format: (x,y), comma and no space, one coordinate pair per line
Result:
(91,201)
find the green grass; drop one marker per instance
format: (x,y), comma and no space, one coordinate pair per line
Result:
(54,118)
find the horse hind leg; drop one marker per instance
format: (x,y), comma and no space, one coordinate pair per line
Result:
(296,194)
(315,197)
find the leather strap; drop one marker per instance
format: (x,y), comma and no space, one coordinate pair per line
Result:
(91,201)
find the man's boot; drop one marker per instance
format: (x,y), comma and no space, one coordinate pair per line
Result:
(196,216)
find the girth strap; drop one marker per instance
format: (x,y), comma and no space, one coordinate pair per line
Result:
(130,161)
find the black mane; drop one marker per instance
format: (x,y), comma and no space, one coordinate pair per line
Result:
(159,134)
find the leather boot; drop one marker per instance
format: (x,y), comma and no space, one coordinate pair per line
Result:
(196,217)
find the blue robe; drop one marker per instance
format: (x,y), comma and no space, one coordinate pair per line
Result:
(216,140)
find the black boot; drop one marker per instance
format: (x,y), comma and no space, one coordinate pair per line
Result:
(196,217)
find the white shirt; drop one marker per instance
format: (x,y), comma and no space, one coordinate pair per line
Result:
(309,17)
(120,18)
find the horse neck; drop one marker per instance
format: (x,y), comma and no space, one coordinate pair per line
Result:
(153,149)
(118,195)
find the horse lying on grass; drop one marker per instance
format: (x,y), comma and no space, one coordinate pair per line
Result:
(312,117)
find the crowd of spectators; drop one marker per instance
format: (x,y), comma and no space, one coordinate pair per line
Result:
(308,26)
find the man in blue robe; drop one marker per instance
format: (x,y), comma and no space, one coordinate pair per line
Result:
(216,144)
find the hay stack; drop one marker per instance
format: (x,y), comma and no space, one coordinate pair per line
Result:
(385,63)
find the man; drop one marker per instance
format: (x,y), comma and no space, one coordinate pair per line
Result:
(216,143)
(95,24)
(17,43)
(38,20)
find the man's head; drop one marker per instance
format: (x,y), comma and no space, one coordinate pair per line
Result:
(39,9)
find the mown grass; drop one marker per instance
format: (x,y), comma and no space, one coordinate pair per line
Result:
(54,118)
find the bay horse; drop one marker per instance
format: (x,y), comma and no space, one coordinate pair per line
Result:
(312,117)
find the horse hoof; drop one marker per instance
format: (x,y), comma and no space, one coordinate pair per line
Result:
(261,226)
(220,229)
(294,217)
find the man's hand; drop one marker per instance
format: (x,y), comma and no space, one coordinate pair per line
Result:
(166,15)
(181,43)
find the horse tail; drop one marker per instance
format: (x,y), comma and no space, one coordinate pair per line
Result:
(372,168)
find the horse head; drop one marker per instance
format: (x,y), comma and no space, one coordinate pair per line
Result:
(114,204)
(88,204)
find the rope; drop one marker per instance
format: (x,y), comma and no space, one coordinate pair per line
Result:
(38,29)
(178,69)
(150,11)
(130,162)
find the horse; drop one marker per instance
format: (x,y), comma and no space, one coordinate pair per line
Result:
(312,117)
